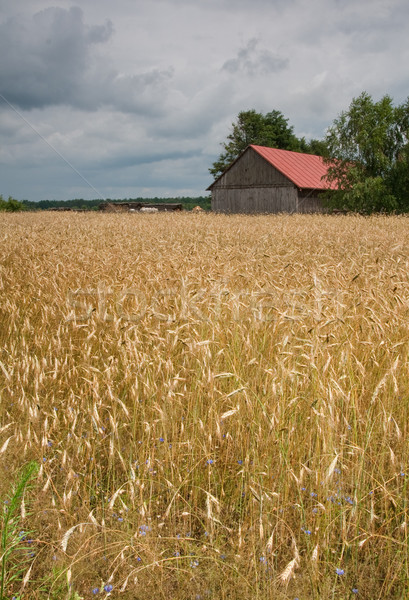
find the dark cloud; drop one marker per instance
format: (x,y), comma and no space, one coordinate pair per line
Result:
(254,61)
(47,56)
(51,61)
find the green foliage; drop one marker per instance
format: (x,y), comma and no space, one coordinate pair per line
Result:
(369,156)
(251,127)
(56,585)
(10,205)
(14,556)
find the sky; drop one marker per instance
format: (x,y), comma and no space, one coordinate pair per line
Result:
(132,98)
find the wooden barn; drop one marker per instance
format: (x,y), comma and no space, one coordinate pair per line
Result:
(269,180)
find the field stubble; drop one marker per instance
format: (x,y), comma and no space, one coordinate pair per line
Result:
(218,405)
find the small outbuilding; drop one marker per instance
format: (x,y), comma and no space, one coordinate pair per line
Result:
(269,180)
(139,207)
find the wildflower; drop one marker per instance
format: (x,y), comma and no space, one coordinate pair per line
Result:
(210,461)
(354,590)
(239,462)
(339,571)
(161,439)
(49,443)
(194,564)
(108,587)
(95,591)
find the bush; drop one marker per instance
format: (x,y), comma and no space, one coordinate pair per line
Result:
(10,205)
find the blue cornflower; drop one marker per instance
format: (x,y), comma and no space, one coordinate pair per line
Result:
(49,443)
(239,462)
(161,439)
(95,591)
(354,590)
(210,461)
(339,571)
(108,587)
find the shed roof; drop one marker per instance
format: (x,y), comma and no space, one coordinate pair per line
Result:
(304,170)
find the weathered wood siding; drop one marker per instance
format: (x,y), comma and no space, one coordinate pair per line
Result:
(252,186)
(251,170)
(254,200)
(309,202)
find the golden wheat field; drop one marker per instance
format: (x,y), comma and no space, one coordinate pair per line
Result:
(209,407)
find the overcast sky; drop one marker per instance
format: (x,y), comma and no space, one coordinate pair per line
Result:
(128,98)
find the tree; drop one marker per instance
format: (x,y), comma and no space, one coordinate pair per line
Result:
(10,205)
(368,156)
(252,127)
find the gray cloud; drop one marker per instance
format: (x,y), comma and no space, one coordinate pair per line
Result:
(51,61)
(47,56)
(252,61)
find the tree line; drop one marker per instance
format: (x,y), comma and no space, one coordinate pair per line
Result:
(366,149)
(12,205)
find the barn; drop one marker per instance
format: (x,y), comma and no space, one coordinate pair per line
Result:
(269,180)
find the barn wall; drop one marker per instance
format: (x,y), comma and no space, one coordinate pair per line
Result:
(252,200)
(251,169)
(309,203)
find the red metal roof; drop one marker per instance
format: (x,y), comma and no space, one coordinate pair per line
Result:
(304,170)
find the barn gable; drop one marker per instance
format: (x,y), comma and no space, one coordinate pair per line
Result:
(269,180)
(251,169)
